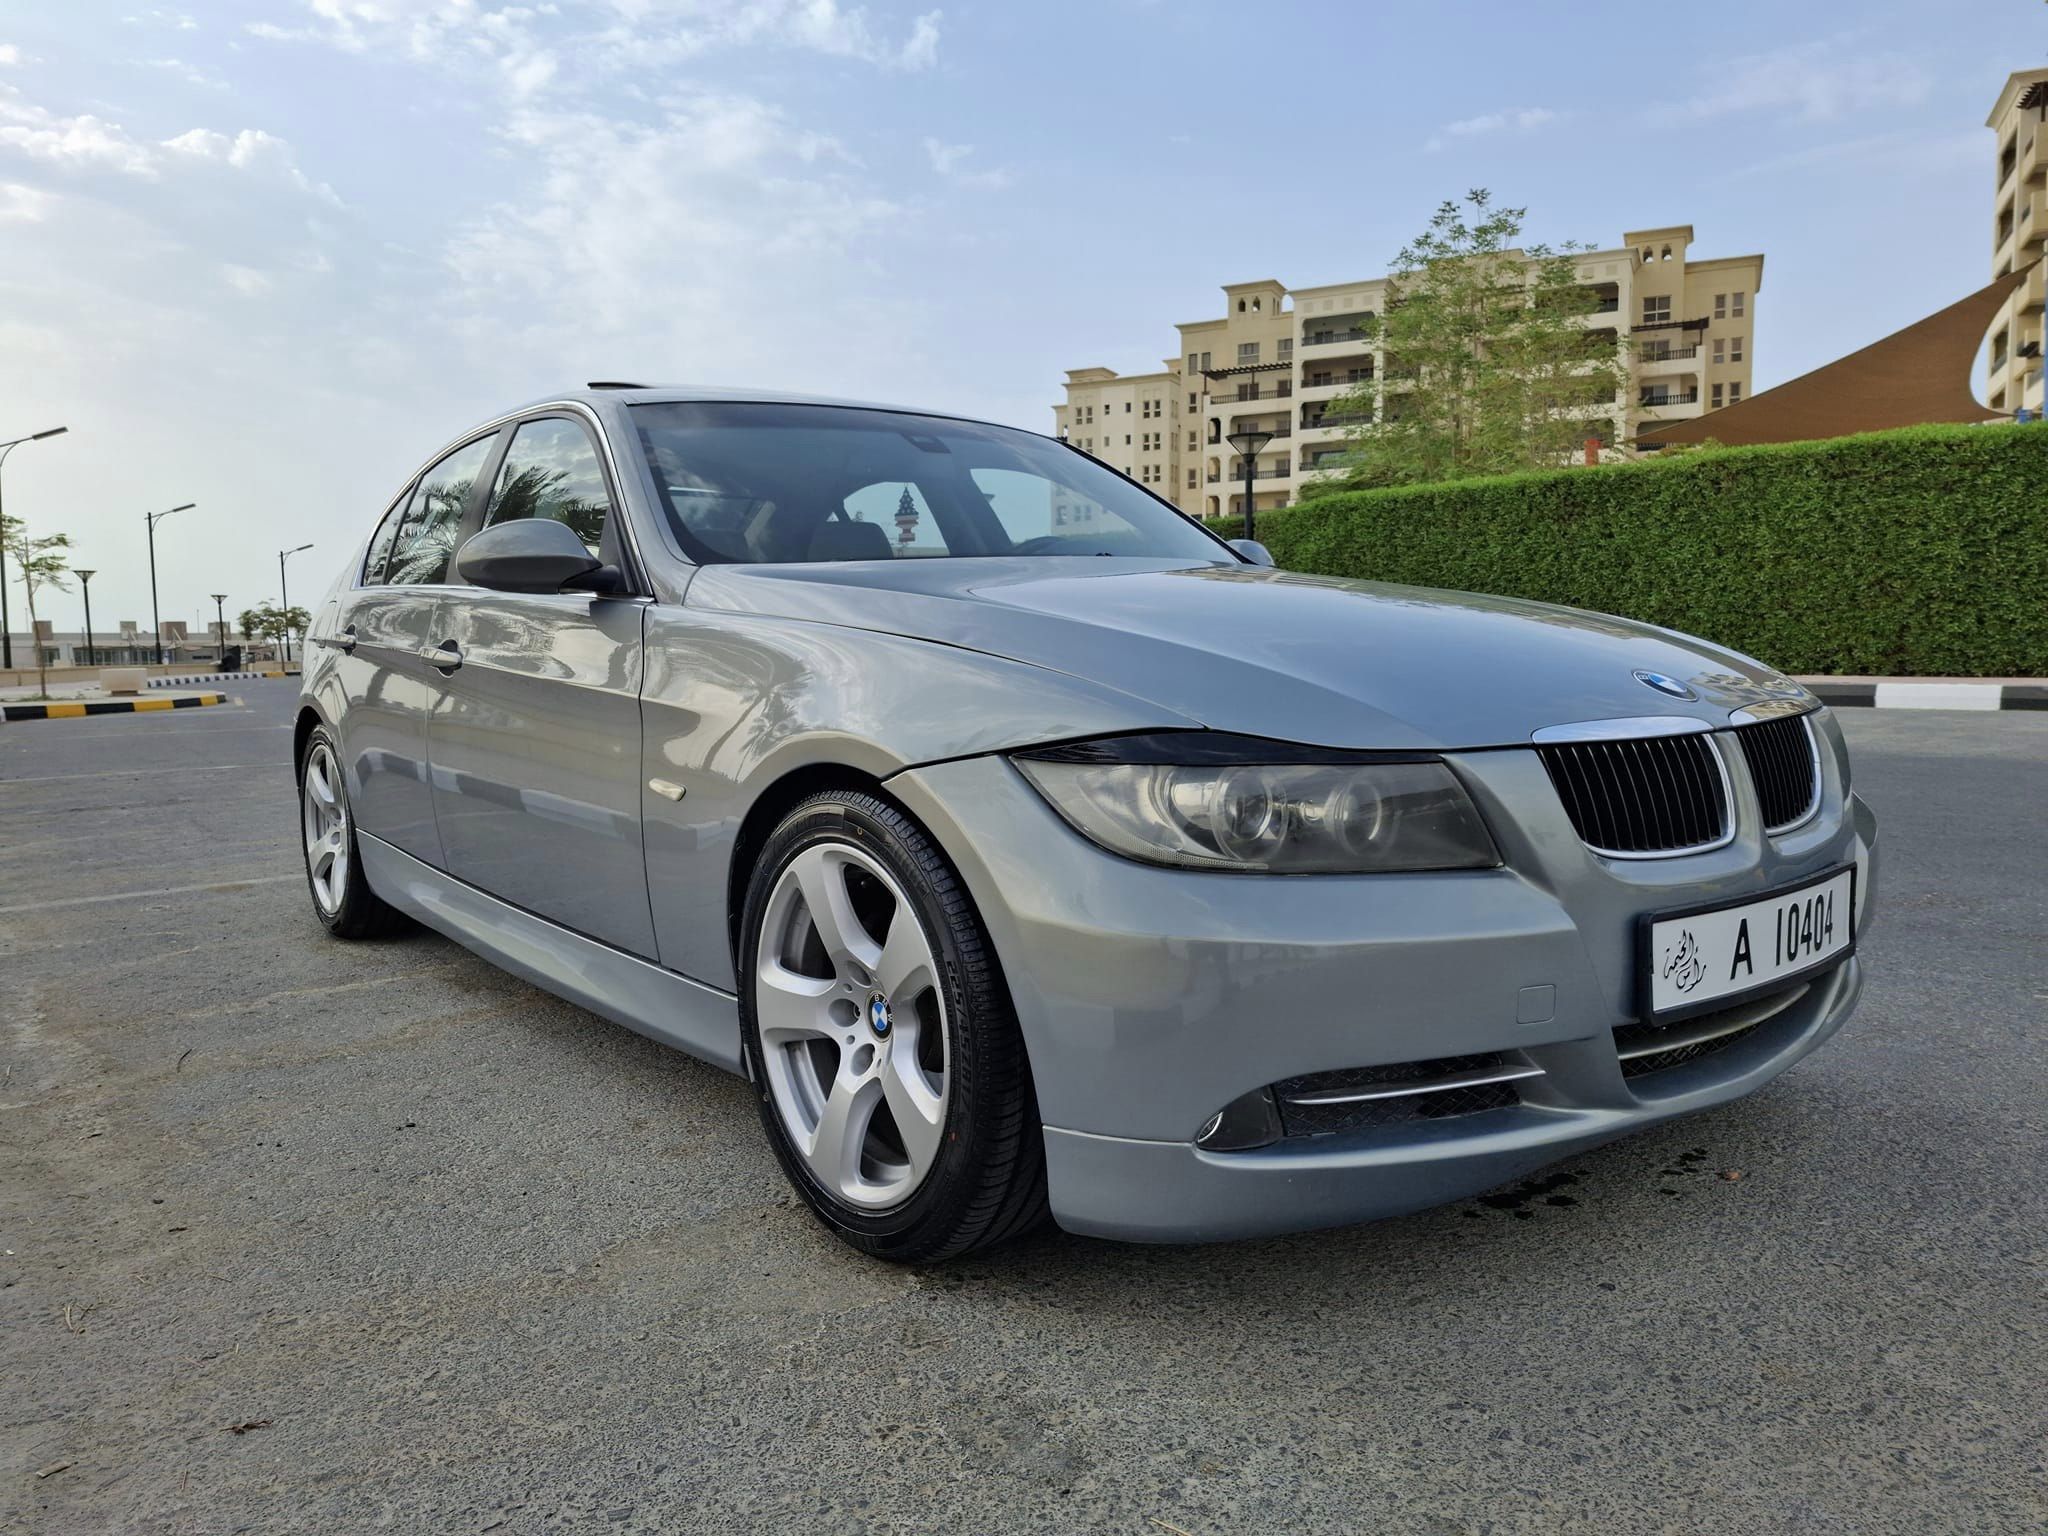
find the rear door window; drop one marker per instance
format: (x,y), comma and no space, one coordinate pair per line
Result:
(427,530)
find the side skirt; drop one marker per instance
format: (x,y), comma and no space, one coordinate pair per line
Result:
(660,1004)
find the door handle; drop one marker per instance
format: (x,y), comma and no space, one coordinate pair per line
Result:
(447,656)
(345,641)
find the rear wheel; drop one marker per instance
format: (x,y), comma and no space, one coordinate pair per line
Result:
(342,898)
(880,1038)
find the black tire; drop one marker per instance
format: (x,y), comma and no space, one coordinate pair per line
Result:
(360,913)
(987,1183)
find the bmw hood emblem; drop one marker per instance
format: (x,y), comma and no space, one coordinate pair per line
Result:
(1670,686)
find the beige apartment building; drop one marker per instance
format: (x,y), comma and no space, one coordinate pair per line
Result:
(1276,359)
(2019,235)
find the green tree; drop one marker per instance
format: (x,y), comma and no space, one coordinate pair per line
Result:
(42,564)
(250,621)
(1490,359)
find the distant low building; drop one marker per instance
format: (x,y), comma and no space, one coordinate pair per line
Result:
(124,644)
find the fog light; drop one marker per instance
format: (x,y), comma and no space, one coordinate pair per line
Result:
(1248,1121)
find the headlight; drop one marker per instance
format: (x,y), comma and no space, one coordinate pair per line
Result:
(1204,800)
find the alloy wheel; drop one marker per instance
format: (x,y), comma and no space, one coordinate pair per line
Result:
(852,1026)
(323,817)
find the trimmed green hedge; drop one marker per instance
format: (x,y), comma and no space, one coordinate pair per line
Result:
(1922,551)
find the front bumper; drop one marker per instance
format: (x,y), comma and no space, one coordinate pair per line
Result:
(1150,998)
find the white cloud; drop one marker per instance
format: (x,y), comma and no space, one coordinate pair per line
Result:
(703,236)
(949,160)
(1519,120)
(605,35)
(191,74)
(246,281)
(250,150)
(26,205)
(177,21)
(9,54)
(85,142)
(1815,82)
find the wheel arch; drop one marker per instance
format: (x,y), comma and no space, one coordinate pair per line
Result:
(766,813)
(776,801)
(302,727)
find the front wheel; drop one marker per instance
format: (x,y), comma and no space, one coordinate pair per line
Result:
(880,1038)
(342,898)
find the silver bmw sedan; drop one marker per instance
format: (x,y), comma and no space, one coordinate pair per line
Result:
(1033,852)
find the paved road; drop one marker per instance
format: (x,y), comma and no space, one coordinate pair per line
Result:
(476,1261)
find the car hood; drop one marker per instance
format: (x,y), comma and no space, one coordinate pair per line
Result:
(1272,653)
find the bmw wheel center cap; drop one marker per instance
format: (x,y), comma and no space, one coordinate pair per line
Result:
(878,1016)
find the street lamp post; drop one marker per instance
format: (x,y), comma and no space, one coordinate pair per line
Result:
(6,637)
(285,598)
(85,587)
(1248,445)
(153,518)
(220,628)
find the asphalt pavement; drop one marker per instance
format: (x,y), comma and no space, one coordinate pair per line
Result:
(310,1236)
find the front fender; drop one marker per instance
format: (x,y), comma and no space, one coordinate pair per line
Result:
(732,704)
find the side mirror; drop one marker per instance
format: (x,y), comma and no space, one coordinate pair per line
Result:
(527,554)
(1253,551)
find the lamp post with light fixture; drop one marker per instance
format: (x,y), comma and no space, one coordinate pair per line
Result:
(7,638)
(220,628)
(1248,445)
(285,598)
(153,518)
(85,590)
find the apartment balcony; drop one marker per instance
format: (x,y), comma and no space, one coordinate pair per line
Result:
(1234,394)
(1676,406)
(1326,427)
(2033,164)
(2028,300)
(1672,360)
(1334,338)
(1337,385)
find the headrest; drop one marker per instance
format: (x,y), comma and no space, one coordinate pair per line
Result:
(836,540)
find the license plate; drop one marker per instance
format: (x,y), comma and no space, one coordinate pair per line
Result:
(1709,957)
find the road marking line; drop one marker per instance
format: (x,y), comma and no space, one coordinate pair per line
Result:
(136,773)
(221,887)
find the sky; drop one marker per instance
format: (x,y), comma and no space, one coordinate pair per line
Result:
(266,257)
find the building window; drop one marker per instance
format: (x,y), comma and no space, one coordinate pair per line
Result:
(1286,348)
(1193,475)
(1717,397)
(1734,349)
(1191,362)
(1205,362)
(1194,402)
(1247,352)
(1720,306)
(1734,393)
(1657,311)
(1720,349)
(1735,304)
(1127,407)
(1194,441)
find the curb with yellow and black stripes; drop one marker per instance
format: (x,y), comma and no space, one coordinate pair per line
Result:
(13,712)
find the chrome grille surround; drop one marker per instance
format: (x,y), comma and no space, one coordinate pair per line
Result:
(1661,794)
(1783,755)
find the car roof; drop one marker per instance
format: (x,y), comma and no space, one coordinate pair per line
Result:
(652,394)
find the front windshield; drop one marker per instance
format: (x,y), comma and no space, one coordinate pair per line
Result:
(786,483)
